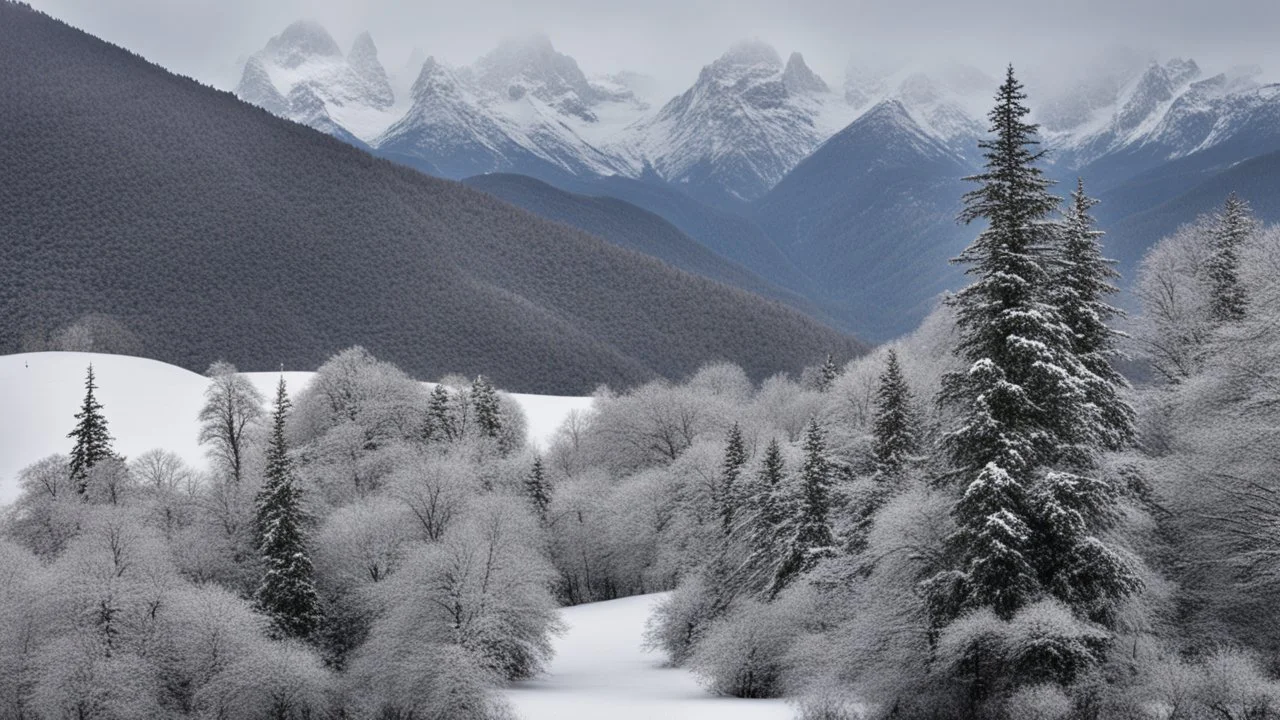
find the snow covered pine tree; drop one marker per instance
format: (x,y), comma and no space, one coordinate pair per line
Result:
(286,593)
(1026,410)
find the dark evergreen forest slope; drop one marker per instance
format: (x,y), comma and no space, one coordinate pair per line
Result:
(634,228)
(211,229)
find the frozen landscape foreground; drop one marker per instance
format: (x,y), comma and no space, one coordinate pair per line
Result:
(148,405)
(601,670)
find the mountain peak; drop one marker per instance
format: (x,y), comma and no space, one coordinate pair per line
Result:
(531,65)
(363,59)
(302,40)
(798,78)
(533,45)
(755,51)
(363,48)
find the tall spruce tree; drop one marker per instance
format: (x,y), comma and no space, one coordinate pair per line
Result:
(484,398)
(1022,398)
(439,422)
(1083,280)
(808,531)
(893,434)
(1233,227)
(286,592)
(93,442)
(538,489)
(735,457)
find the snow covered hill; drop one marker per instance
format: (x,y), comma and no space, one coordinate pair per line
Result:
(601,670)
(148,404)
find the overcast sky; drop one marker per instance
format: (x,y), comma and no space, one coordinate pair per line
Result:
(672,39)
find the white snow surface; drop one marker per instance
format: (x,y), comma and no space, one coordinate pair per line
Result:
(148,404)
(601,670)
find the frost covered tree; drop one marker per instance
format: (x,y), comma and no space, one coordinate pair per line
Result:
(538,489)
(439,425)
(894,434)
(1082,282)
(827,374)
(286,593)
(488,414)
(735,457)
(233,407)
(1232,229)
(767,506)
(808,532)
(92,440)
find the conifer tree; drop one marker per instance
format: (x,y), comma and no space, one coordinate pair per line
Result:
(485,401)
(827,374)
(286,593)
(894,431)
(93,442)
(1022,397)
(439,424)
(735,457)
(808,531)
(538,489)
(1235,224)
(1081,284)
(767,504)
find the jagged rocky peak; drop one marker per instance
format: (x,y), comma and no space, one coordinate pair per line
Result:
(1182,71)
(433,79)
(531,65)
(798,78)
(754,54)
(301,41)
(1157,85)
(363,59)
(364,55)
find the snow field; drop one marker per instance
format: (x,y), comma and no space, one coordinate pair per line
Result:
(601,670)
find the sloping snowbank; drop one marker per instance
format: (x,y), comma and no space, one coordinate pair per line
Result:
(148,404)
(601,671)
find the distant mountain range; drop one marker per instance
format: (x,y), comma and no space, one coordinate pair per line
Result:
(843,195)
(210,229)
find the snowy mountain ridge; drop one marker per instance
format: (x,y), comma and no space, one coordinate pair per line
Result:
(747,120)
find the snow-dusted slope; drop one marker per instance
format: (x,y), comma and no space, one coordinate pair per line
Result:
(600,670)
(148,404)
(747,120)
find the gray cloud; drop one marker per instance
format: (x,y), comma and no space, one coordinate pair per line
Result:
(672,39)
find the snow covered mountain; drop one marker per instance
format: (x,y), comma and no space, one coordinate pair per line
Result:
(304,76)
(825,186)
(522,108)
(747,120)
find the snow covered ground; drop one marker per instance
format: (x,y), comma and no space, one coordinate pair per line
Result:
(148,404)
(601,671)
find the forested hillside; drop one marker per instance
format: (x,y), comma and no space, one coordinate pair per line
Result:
(631,227)
(146,213)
